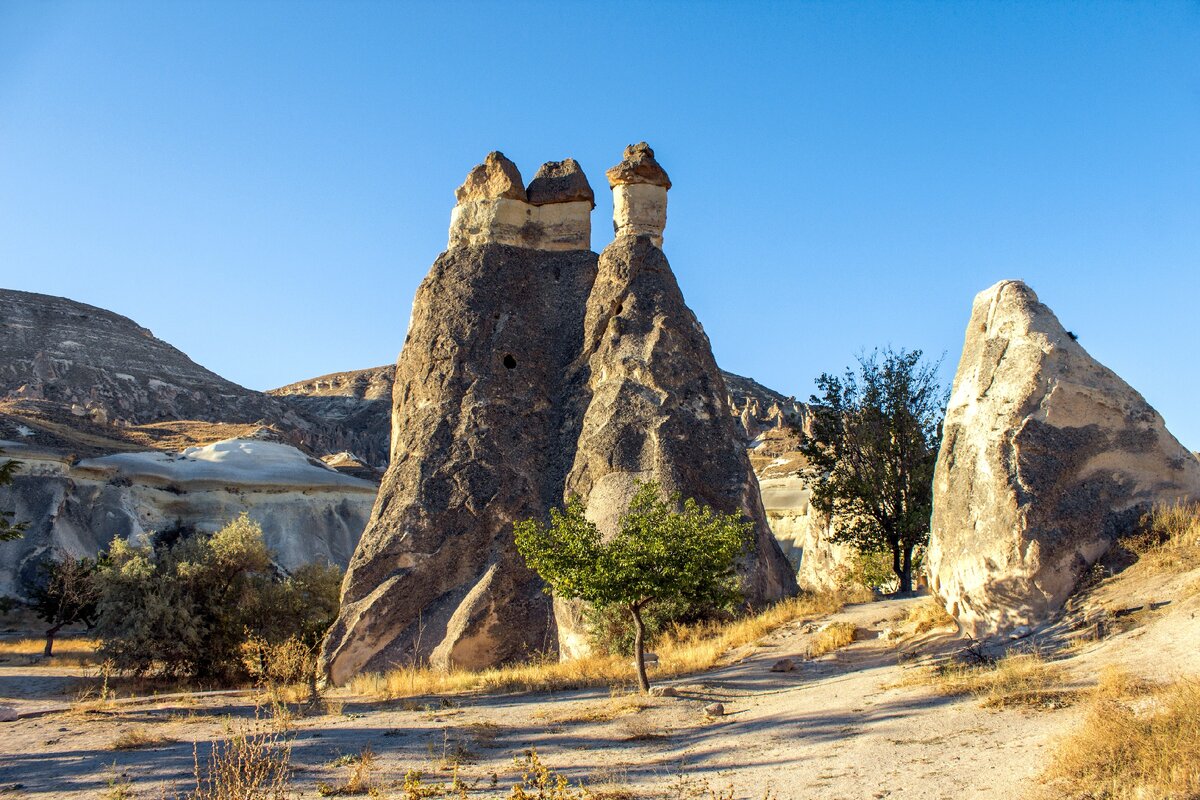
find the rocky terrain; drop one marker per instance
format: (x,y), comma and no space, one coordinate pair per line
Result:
(1048,457)
(529,374)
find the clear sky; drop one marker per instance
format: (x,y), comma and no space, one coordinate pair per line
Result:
(265,184)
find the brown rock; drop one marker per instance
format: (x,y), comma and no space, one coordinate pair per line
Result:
(560,182)
(638,166)
(714,710)
(1047,458)
(496,177)
(783,665)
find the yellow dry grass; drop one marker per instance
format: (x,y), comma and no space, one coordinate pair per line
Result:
(137,738)
(833,637)
(928,615)
(684,651)
(1171,540)
(1019,679)
(74,651)
(1138,742)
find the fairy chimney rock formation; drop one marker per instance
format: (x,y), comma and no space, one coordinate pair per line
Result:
(1047,457)
(495,208)
(528,376)
(639,187)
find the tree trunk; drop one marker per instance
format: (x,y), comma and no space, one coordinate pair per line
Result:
(897,567)
(906,570)
(639,646)
(50,634)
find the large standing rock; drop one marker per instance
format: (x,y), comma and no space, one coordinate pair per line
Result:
(517,358)
(1046,458)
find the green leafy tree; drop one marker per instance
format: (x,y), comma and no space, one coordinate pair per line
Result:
(659,555)
(873,444)
(9,530)
(186,609)
(64,592)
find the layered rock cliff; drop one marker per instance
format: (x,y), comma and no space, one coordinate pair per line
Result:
(1047,458)
(534,370)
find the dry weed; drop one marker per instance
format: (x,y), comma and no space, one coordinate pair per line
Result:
(137,738)
(1170,539)
(359,779)
(682,651)
(1019,679)
(253,764)
(1138,742)
(929,615)
(832,637)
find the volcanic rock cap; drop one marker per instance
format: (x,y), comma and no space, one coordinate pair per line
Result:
(1047,458)
(529,375)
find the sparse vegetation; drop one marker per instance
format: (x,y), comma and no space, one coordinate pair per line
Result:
(928,615)
(9,530)
(136,739)
(186,609)
(682,650)
(832,637)
(253,764)
(1168,537)
(683,559)
(77,651)
(360,777)
(63,591)
(1137,742)
(1017,679)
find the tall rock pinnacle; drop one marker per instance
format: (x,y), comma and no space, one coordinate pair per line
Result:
(639,187)
(526,378)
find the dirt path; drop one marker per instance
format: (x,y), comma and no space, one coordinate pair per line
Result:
(840,726)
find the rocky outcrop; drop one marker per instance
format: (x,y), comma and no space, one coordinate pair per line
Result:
(308,511)
(759,409)
(639,187)
(1047,458)
(355,406)
(524,379)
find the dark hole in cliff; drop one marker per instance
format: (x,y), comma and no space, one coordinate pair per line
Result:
(557,274)
(620,307)
(509,361)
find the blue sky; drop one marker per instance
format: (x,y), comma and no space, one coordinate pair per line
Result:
(265,184)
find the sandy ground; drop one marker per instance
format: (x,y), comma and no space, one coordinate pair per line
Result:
(846,725)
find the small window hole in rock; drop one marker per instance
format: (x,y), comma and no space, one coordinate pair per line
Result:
(509,361)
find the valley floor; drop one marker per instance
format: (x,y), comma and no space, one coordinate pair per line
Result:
(850,724)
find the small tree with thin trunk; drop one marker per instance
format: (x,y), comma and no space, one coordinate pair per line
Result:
(64,592)
(9,530)
(658,555)
(871,452)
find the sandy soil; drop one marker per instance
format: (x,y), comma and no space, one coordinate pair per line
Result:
(846,725)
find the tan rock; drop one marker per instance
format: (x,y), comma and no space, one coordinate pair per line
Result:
(560,182)
(495,178)
(638,166)
(1047,458)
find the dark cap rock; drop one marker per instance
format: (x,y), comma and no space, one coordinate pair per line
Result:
(638,166)
(560,182)
(495,178)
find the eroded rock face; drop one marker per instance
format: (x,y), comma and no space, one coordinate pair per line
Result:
(308,512)
(560,182)
(495,178)
(526,379)
(1047,457)
(639,187)
(357,407)
(484,430)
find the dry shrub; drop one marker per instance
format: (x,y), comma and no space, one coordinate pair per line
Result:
(1019,679)
(359,778)
(1169,537)
(252,765)
(539,782)
(1138,742)
(832,637)
(928,615)
(137,738)
(683,650)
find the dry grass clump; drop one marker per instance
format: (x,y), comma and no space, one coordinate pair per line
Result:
(73,652)
(137,738)
(360,777)
(1138,742)
(928,615)
(683,651)
(254,764)
(1018,679)
(606,711)
(832,637)
(1170,538)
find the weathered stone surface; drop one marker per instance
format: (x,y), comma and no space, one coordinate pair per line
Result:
(560,182)
(638,166)
(714,710)
(484,431)
(308,512)
(495,178)
(658,410)
(556,226)
(524,380)
(1047,457)
(356,406)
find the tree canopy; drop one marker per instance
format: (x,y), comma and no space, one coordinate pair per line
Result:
(9,530)
(871,451)
(659,554)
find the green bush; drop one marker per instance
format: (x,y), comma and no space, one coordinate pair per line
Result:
(185,609)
